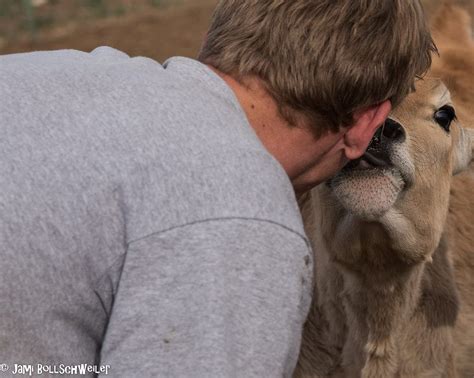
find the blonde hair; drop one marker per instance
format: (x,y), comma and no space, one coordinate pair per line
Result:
(323,58)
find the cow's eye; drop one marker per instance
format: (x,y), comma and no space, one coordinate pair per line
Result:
(444,116)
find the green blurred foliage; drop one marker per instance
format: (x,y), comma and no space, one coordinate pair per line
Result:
(18,16)
(9,7)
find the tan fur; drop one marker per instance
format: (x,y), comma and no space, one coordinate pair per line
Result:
(394,296)
(456,69)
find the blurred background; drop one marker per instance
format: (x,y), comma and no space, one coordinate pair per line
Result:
(154,28)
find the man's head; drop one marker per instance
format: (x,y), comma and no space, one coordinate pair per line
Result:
(325,58)
(327,61)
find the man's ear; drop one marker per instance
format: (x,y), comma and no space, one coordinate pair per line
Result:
(366,123)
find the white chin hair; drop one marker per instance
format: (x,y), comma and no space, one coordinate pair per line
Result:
(368,194)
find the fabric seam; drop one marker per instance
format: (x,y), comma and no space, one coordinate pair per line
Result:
(216,220)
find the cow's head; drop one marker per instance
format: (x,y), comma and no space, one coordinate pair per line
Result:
(406,172)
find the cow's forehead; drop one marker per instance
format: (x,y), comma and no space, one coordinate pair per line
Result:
(433,91)
(440,93)
(430,94)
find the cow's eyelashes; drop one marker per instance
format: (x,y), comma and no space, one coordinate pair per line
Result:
(444,116)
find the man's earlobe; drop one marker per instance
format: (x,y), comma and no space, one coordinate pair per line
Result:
(366,123)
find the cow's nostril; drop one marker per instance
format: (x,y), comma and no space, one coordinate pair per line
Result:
(393,131)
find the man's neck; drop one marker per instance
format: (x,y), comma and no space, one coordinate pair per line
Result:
(295,147)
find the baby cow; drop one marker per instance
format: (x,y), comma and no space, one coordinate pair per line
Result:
(392,274)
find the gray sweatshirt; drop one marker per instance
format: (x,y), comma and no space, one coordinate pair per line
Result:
(143,226)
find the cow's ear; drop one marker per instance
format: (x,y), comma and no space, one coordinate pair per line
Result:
(464,152)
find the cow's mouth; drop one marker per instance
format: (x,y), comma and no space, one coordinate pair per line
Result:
(377,155)
(370,160)
(370,185)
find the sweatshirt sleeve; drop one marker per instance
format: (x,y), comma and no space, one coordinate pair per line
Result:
(218,298)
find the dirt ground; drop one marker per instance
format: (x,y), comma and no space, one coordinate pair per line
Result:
(156,33)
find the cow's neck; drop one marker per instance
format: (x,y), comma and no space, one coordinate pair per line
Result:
(381,289)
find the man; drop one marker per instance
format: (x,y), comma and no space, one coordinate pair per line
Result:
(149,221)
